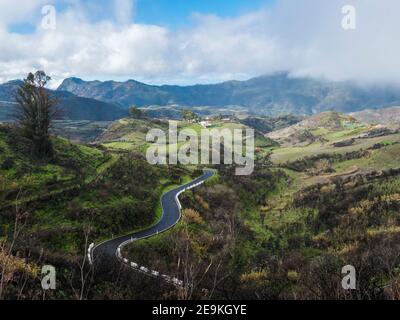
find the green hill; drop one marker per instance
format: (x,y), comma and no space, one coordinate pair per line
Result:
(387,116)
(318,127)
(305,210)
(130,134)
(79,190)
(269,124)
(21,170)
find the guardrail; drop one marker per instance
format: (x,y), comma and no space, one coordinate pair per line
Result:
(90,253)
(153,273)
(147,271)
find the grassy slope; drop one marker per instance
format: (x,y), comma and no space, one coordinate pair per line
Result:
(283,224)
(36,177)
(333,128)
(77,181)
(281,155)
(280,228)
(130,134)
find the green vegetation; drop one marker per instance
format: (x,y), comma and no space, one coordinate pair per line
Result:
(35,111)
(284,232)
(283,154)
(295,222)
(21,171)
(79,131)
(269,124)
(189,115)
(136,113)
(130,134)
(77,193)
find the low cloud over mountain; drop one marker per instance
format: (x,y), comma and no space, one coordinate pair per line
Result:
(304,37)
(270,95)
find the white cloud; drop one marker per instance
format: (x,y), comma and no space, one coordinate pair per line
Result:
(11,12)
(123,11)
(304,37)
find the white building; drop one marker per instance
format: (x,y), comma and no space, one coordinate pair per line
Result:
(205,124)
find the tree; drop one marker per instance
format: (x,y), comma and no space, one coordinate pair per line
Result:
(86,269)
(135,112)
(35,111)
(11,266)
(189,115)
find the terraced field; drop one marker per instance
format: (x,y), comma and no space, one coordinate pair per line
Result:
(130,134)
(281,155)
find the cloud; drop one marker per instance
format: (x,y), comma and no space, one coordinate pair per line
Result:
(123,11)
(26,10)
(303,37)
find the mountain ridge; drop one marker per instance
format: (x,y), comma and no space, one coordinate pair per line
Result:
(382,116)
(266,95)
(71,106)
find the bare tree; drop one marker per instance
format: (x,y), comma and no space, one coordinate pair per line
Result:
(86,269)
(7,247)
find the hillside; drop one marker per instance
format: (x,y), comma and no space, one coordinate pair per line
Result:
(269,124)
(78,191)
(312,128)
(303,210)
(267,95)
(20,170)
(6,110)
(381,116)
(71,106)
(312,209)
(79,131)
(130,134)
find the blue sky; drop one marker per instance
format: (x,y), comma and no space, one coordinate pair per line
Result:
(178,13)
(200,41)
(170,13)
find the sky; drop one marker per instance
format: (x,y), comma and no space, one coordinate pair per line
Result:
(200,41)
(168,13)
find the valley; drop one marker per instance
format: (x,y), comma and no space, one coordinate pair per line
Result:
(90,193)
(324,192)
(174,156)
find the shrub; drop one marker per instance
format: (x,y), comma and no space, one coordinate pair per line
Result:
(7,164)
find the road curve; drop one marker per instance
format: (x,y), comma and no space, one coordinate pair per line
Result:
(171,214)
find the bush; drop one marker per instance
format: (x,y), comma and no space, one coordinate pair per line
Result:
(7,164)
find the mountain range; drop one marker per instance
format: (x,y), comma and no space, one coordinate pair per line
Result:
(266,95)
(72,107)
(270,95)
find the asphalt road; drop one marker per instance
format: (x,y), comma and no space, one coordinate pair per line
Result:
(170,217)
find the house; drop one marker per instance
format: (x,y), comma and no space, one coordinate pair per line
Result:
(226,118)
(205,124)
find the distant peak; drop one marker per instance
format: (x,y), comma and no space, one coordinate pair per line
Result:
(74,79)
(70,82)
(13,82)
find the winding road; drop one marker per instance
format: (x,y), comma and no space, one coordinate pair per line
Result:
(171,214)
